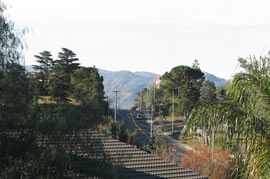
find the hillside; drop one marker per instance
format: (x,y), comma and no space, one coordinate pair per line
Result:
(218,81)
(129,83)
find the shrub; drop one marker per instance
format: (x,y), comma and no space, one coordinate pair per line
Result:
(198,159)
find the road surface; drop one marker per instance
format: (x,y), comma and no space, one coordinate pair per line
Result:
(143,127)
(130,121)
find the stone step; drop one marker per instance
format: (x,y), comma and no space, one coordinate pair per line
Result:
(139,166)
(135,162)
(159,169)
(172,175)
(144,162)
(141,159)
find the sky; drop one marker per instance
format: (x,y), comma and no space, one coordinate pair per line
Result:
(147,35)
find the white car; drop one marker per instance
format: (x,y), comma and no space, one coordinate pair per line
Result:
(139,116)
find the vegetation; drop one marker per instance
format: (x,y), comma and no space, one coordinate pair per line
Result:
(181,88)
(185,83)
(237,115)
(199,160)
(242,118)
(38,113)
(159,147)
(11,42)
(60,87)
(32,132)
(120,132)
(44,71)
(208,92)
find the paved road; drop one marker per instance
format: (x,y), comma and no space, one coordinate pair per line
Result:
(143,126)
(130,121)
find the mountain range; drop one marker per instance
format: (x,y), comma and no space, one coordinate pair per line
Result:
(130,83)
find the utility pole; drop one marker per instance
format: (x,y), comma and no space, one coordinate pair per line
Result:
(173,112)
(115,109)
(153,111)
(106,97)
(141,100)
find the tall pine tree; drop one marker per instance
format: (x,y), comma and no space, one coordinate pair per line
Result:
(186,82)
(60,84)
(88,85)
(44,71)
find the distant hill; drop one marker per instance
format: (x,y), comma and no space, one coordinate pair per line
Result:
(218,81)
(129,83)
(29,68)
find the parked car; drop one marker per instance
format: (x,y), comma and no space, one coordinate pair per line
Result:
(132,108)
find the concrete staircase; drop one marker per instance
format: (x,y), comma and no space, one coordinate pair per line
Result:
(135,163)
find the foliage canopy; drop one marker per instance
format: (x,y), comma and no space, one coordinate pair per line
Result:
(243,117)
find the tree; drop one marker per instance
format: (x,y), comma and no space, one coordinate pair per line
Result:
(221,93)
(196,64)
(67,59)
(62,70)
(32,134)
(44,70)
(243,117)
(87,85)
(88,88)
(208,92)
(120,132)
(142,99)
(186,82)
(14,86)
(11,42)
(13,82)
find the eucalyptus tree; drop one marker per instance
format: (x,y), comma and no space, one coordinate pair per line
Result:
(144,98)
(221,93)
(244,116)
(12,74)
(208,91)
(11,42)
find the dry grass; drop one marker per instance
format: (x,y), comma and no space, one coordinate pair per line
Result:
(49,100)
(169,119)
(199,160)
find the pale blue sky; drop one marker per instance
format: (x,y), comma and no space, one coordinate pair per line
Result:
(147,35)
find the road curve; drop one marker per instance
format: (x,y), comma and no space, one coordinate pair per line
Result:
(143,127)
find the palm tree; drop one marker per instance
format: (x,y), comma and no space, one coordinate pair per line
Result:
(244,117)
